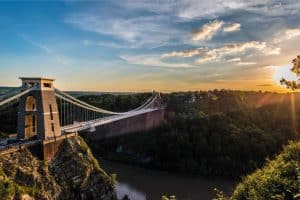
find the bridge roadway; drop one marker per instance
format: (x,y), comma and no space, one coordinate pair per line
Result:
(80,126)
(70,130)
(17,146)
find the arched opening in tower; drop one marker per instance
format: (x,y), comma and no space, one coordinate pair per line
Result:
(30,103)
(30,117)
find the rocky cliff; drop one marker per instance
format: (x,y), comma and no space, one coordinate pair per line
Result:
(73,174)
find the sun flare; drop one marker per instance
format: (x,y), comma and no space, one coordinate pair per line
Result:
(283,72)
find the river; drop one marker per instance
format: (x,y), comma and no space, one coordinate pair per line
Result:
(146,184)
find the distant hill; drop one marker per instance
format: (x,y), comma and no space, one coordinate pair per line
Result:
(228,100)
(88,93)
(4,89)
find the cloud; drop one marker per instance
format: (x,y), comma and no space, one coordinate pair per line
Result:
(207,31)
(237,48)
(270,67)
(152,60)
(246,63)
(209,55)
(239,61)
(241,47)
(168,24)
(199,9)
(59,58)
(291,33)
(184,53)
(234,60)
(272,50)
(286,35)
(274,8)
(189,9)
(102,43)
(265,85)
(232,27)
(137,31)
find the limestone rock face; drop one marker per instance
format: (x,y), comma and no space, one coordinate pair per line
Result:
(73,174)
(79,173)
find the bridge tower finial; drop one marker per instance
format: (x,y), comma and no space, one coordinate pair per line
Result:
(38,112)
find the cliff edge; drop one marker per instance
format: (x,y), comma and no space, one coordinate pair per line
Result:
(73,174)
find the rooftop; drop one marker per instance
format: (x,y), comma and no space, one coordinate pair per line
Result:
(36,78)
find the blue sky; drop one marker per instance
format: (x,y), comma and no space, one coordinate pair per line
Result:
(140,45)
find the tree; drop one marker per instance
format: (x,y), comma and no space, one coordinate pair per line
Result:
(296,69)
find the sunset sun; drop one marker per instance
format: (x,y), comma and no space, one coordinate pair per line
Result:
(283,72)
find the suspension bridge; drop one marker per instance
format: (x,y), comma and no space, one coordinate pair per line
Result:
(47,115)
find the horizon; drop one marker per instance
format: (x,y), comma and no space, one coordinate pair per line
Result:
(284,91)
(136,46)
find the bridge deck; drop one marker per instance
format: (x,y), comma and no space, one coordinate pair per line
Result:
(80,126)
(11,148)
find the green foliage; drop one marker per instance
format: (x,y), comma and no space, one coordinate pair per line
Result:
(113,178)
(220,195)
(84,147)
(87,154)
(229,135)
(278,179)
(9,189)
(73,170)
(172,197)
(8,119)
(218,132)
(196,144)
(116,103)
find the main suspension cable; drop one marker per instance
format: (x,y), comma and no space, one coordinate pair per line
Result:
(5,101)
(80,103)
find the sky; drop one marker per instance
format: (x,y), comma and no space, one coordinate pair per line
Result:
(144,45)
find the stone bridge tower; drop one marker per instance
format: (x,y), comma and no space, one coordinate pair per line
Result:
(38,116)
